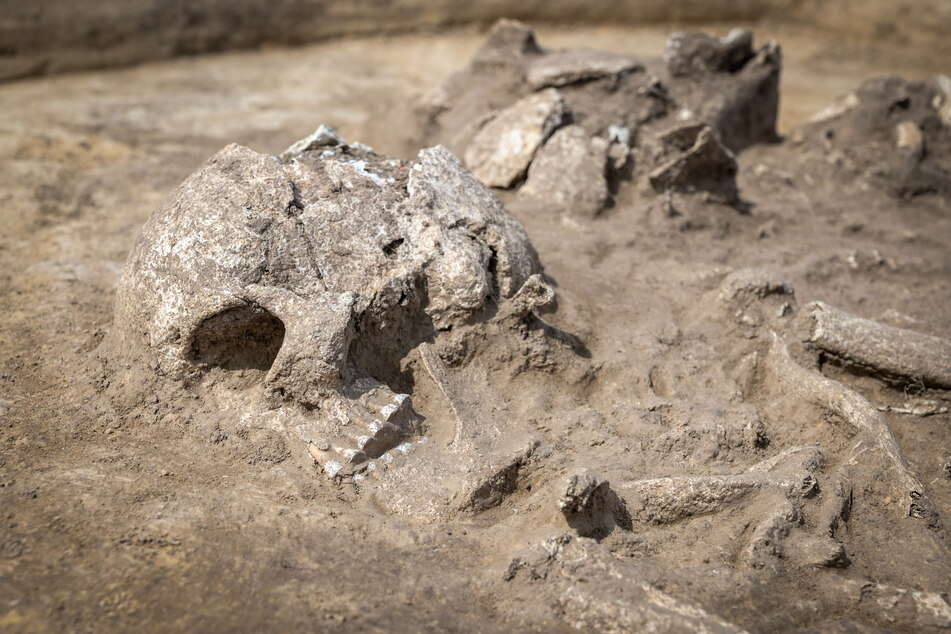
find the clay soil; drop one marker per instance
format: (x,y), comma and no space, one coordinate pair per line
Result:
(149,519)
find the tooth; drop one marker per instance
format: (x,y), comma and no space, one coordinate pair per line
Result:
(332,468)
(351,455)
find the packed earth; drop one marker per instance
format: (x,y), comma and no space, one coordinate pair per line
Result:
(559,339)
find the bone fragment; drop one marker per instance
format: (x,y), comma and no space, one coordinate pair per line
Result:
(437,372)
(908,137)
(562,68)
(594,592)
(894,351)
(896,609)
(324,136)
(534,295)
(874,431)
(568,173)
(770,535)
(666,500)
(942,101)
(502,150)
(922,408)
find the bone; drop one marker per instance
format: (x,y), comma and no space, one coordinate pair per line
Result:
(580,488)
(836,505)
(433,488)
(769,536)
(837,108)
(590,506)
(875,434)
(502,150)
(942,100)
(437,372)
(324,136)
(893,608)
(316,339)
(292,282)
(916,408)
(893,351)
(595,592)
(534,295)
(248,235)
(370,424)
(908,137)
(667,500)
(699,53)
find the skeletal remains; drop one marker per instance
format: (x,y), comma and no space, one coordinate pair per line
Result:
(566,127)
(316,273)
(292,288)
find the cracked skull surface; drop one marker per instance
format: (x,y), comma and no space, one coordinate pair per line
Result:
(313,277)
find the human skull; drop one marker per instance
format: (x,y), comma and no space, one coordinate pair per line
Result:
(318,273)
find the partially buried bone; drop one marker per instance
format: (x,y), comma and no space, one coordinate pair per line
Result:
(590,506)
(667,500)
(875,434)
(751,294)
(296,287)
(892,351)
(574,120)
(595,592)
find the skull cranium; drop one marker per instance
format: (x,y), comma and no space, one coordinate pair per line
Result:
(316,275)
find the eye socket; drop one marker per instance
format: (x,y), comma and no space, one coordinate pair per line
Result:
(239,338)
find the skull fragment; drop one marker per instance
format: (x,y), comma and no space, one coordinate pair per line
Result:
(314,276)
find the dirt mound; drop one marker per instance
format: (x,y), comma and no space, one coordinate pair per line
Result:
(577,126)
(892,132)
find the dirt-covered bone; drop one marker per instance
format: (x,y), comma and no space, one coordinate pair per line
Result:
(603,89)
(569,173)
(761,304)
(317,275)
(501,151)
(895,352)
(585,583)
(590,506)
(875,434)
(666,500)
(699,53)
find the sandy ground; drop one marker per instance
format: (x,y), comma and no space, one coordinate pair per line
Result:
(113,524)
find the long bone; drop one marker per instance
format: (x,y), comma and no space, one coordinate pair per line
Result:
(875,432)
(893,351)
(745,291)
(667,500)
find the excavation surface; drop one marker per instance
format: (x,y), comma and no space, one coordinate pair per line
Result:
(169,514)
